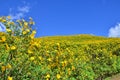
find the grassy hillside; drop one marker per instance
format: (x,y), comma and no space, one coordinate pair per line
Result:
(76,57)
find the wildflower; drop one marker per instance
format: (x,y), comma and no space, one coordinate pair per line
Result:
(3,20)
(12,23)
(58,44)
(69,71)
(48,76)
(47,51)
(3,68)
(32,34)
(13,47)
(3,39)
(29,51)
(25,24)
(64,63)
(1,63)
(9,78)
(73,68)
(36,44)
(8,23)
(8,30)
(9,17)
(24,32)
(58,76)
(49,59)
(27,30)
(47,79)
(0,19)
(40,57)
(32,58)
(31,23)
(8,66)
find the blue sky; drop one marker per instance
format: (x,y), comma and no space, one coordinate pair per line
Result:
(67,17)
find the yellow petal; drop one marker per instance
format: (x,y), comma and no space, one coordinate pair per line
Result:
(13,47)
(9,78)
(3,68)
(3,38)
(32,58)
(58,76)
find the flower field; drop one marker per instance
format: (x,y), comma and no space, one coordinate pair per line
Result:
(77,57)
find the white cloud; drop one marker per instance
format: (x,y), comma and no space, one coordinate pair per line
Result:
(21,12)
(17,16)
(114,31)
(24,9)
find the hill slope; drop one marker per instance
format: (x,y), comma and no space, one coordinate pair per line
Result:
(81,57)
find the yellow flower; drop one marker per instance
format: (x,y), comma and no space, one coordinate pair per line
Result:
(58,44)
(29,51)
(8,23)
(8,30)
(13,47)
(40,57)
(3,39)
(24,32)
(31,22)
(58,76)
(9,17)
(25,24)
(36,44)
(3,68)
(73,68)
(3,20)
(32,36)
(0,18)
(64,63)
(8,66)
(12,23)
(47,79)
(27,30)
(49,59)
(32,58)
(1,63)
(9,78)
(48,76)
(34,32)
(69,71)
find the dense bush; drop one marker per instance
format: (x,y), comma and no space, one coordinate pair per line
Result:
(19,27)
